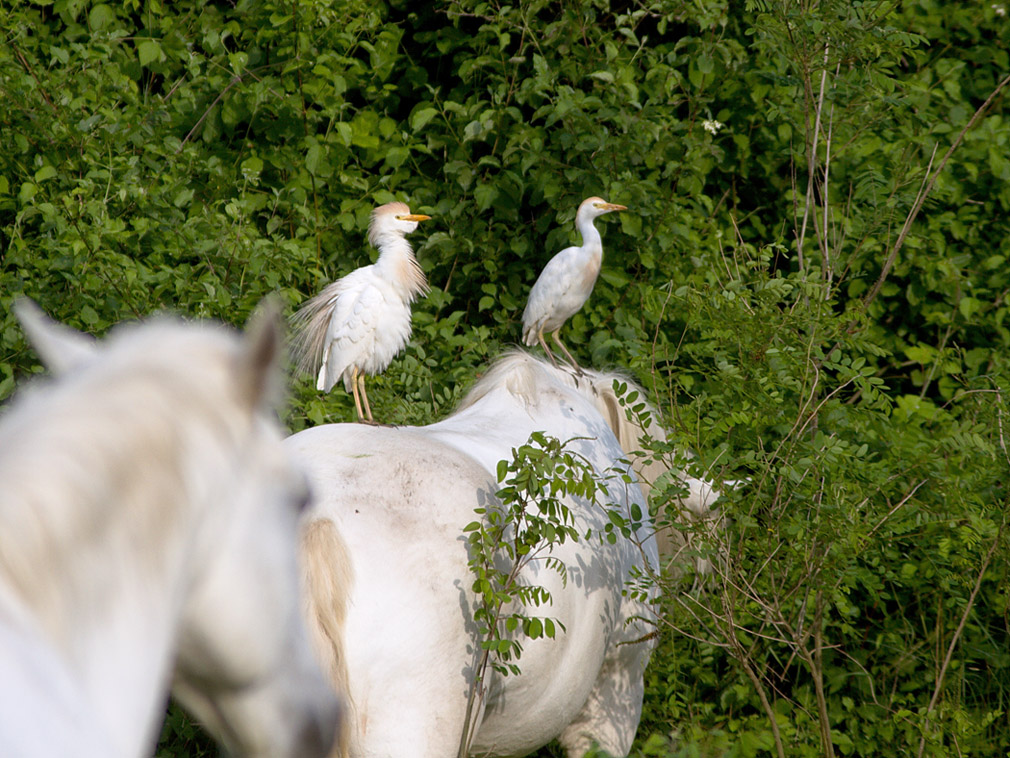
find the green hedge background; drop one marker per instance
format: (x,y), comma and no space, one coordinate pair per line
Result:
(812,282)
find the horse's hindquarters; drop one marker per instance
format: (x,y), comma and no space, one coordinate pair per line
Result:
(399,504)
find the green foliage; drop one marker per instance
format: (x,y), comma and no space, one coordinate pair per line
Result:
(529,519)
(861,542)
(182,738)
(763,286)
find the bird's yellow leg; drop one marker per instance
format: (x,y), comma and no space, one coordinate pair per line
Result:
(354,390)
(364,396)
(564,349)
(543,344)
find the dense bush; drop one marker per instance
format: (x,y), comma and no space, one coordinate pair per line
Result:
(792,328)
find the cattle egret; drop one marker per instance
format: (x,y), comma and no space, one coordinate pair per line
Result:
(357,324)
(567,280)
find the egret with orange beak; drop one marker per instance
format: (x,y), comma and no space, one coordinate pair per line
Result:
(567,281)
(358,324)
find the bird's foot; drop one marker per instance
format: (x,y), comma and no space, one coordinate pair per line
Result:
(373,422)
(575,367)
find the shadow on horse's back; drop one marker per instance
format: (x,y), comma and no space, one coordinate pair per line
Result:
(390,509)
(148,523)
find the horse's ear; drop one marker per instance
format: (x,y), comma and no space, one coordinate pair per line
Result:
(60,347)
(259,371)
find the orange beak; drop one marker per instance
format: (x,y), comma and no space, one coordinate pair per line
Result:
(611,207)
(413,217)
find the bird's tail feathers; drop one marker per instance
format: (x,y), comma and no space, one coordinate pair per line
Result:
(309,326)
(530,335)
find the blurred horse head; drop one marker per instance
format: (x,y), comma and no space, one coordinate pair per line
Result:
(148,533)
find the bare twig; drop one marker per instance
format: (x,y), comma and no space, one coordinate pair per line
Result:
(812,158)
(960,628)
(825,244)
(894,510)
(924,193)
(234,80)
(30,70)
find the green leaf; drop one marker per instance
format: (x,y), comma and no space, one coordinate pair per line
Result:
(46,172)
(534,628)
(485,196)
(27,191)
(89,316)
(923,354)
(101,17)
(315,160)
(149,51)
(252,167)
(397,156)
(421,117)
(968,306)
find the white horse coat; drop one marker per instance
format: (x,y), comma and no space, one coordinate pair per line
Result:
(148,531)
(390,507)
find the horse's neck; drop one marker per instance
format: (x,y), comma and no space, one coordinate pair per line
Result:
(38,690)
(113,657)
(127,656)
(107,589)
(121,640)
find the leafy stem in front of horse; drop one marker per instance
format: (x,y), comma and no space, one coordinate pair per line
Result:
(527,520)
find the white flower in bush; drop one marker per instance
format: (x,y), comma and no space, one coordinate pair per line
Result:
(712,126)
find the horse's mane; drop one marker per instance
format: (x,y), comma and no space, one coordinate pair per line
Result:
(528,378)
(516,371)
(103,441)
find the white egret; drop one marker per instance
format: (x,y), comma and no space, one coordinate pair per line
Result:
(567,280)
(357,324)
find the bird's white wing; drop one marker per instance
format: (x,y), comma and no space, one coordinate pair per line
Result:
(550,300)
(353,324)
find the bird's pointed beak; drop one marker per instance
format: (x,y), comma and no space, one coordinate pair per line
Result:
(614,207)
(413,217)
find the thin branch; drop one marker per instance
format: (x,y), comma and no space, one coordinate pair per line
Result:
(924,193)
(812,157)
(30,70)
(893,510)
(825,244)
(960,628)
(234,80)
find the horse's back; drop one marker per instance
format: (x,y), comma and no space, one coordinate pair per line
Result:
(401,498)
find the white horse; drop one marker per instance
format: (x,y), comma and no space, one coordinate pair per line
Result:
(388,523)
(148,528)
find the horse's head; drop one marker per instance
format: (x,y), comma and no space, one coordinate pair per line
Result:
(691,505)
(245,666)
(243,661)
